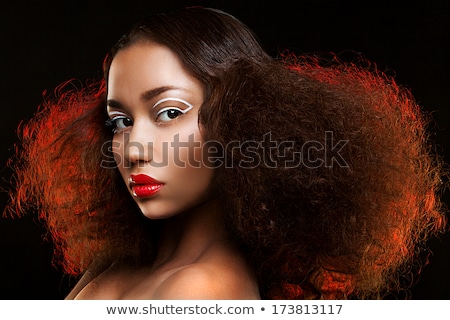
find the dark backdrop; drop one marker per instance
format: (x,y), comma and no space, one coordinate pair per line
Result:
(44,43)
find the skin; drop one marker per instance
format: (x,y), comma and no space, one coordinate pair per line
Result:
(195,260)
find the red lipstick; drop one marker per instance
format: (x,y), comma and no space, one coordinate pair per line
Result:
(144,186)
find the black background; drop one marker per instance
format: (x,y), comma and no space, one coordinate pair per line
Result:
(44,43)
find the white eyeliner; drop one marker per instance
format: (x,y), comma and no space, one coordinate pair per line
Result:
(116,113)
(173,99)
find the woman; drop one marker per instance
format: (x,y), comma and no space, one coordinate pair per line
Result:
(222,173)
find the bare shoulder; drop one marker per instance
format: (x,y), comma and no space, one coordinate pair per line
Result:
(88,277)
(208,281)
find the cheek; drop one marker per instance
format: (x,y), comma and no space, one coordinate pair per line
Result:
(188,150)
(192,156)
(192,183)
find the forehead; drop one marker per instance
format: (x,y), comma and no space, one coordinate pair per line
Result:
(147,65)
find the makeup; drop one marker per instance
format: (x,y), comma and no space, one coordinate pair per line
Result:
(163,113)
(144,186)
(190,106)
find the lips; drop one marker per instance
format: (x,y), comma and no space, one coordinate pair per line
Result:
(144,186)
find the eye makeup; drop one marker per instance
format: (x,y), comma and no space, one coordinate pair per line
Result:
(164,115)
(170,109)
(190,106)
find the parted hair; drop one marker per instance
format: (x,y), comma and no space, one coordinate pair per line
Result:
(331,186)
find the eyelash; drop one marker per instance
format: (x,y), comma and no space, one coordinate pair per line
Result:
(113,123)
(166,110)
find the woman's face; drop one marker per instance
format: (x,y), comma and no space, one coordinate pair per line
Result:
(153,104)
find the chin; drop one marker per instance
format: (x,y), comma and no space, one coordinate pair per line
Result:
(155,213)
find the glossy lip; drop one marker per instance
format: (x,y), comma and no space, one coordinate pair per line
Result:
(144,186)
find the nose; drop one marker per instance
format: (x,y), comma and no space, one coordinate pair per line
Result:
(138,145)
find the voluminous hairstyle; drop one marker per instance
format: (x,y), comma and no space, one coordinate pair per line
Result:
(328,179)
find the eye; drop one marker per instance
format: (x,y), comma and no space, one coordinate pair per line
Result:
(168,114)
(171,108)
(119,123)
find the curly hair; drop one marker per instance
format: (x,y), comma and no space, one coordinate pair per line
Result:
(325,224)
(337,203)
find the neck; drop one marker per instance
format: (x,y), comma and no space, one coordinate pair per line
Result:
(185,237)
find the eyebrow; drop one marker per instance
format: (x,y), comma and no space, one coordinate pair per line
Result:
(145,96)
